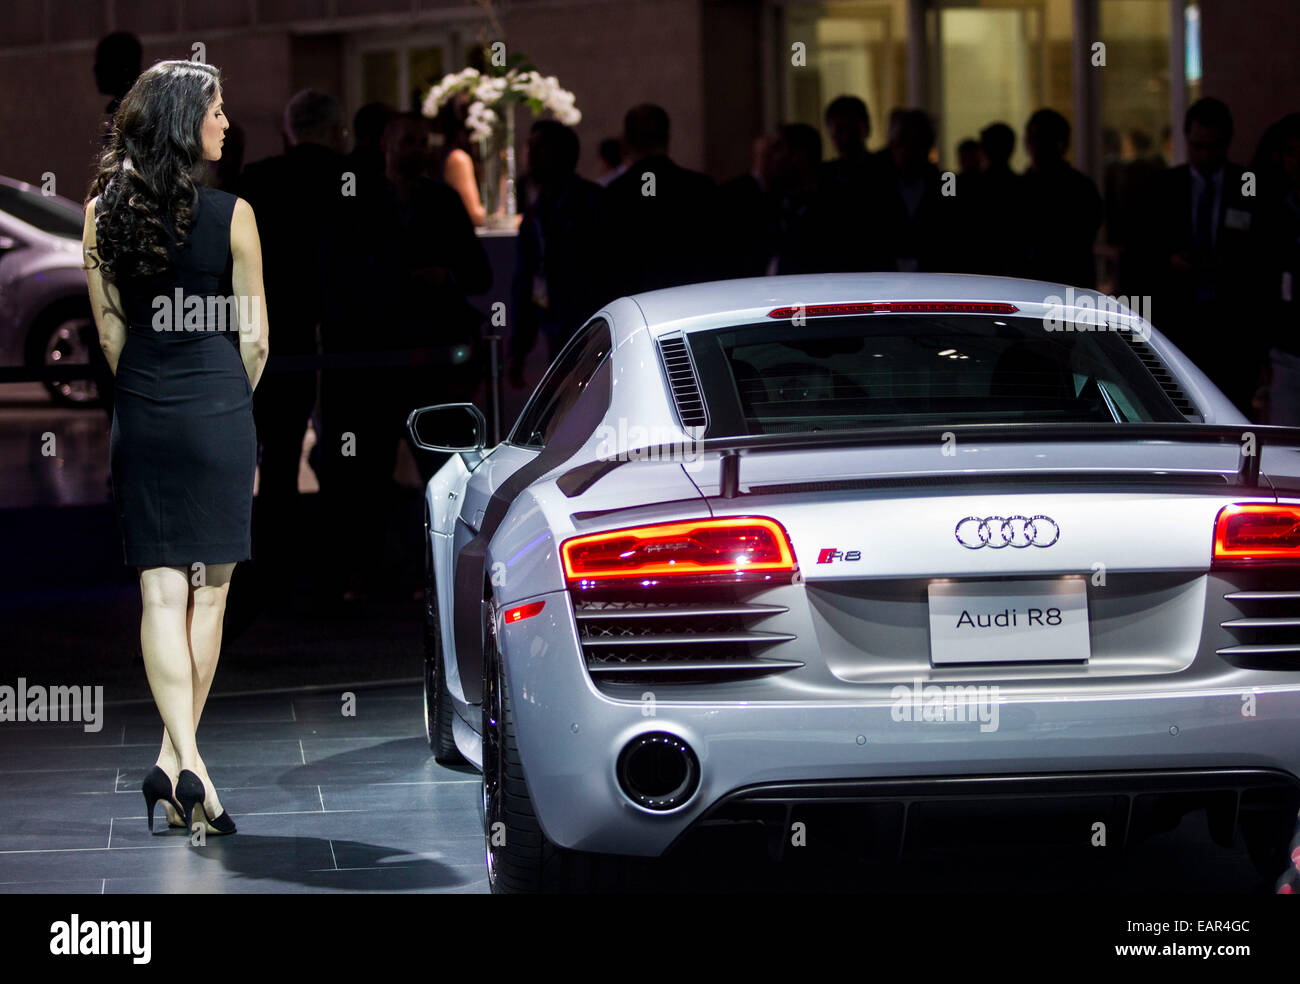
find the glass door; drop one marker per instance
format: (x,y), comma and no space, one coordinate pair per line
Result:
(851,48)
(396,70)
(998,61)
(1134,88)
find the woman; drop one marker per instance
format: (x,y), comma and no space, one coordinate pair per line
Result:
(457,162)
(175,277)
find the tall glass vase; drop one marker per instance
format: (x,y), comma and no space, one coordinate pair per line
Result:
(498,187)
(512,206)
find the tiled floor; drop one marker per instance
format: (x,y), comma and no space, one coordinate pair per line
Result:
(324,802)
(328,803)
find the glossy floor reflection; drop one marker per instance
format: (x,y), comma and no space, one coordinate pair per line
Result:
(51,456)
(333,803)
(324,802)
(56,456)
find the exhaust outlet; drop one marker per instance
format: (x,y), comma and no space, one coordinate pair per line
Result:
(658,771)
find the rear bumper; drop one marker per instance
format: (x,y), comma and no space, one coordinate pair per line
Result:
(570,736)
(883,820)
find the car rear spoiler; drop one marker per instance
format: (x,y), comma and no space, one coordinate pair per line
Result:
(1251,438)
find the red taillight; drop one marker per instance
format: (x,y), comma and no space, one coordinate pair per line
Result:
(524,611)
(740,546)
(895,307)
(1257,533)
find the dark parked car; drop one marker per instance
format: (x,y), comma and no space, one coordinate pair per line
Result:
(44,306)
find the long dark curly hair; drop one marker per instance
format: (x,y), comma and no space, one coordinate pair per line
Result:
(450,123)
(148,177)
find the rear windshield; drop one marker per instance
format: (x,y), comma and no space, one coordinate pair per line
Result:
(53,215)
(884,370)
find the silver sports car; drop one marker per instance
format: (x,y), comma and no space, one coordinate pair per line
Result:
(762,553)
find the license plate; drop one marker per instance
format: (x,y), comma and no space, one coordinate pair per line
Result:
(1009,621)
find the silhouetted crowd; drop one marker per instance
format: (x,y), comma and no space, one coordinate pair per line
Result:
(389,263)
(369,260)
(1207,249)
(372,248)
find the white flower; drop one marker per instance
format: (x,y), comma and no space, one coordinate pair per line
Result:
(488,91)
(446,87)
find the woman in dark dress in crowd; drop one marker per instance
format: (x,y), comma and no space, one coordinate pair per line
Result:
(455,162)
(175,276)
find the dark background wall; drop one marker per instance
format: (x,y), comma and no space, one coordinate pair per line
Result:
(701,59)
(1251,60)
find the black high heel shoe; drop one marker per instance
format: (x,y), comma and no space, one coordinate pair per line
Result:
(157,786)
(189,794)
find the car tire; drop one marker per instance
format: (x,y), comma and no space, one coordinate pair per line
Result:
(520,857)
(70,320)
(438,708)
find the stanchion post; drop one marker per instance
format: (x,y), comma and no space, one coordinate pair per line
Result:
(494,386)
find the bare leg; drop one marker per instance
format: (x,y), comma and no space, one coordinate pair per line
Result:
(204,616)
(164,594)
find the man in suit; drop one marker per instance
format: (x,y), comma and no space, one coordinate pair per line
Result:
(1062,208)
(294,195)
(660,221)
(552,290)
(845,185)
(609,157)
(748,216)
(402,260)
(117,66)
(1278,221)
(811,236)
(366,159)
(1198,257)
(991,238)
(914,224)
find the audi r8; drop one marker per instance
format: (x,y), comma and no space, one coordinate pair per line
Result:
(853,551)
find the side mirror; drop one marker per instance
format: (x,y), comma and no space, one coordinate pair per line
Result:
(456,427)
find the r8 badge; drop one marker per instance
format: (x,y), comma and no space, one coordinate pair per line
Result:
(829,554)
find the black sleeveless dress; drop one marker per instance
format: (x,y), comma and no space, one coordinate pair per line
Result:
(183,448)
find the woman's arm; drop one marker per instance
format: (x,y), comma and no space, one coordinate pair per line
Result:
(458,171)
(105,302)
(246,249)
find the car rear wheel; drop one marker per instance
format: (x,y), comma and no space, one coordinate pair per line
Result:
(520,857)
(62,335)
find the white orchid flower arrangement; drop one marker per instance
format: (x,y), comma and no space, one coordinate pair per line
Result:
(518,84)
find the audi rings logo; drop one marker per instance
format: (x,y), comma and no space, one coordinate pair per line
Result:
(1007,531)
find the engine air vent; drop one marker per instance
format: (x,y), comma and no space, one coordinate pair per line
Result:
(1268,629)
(683,381)
(1160,372)
(674,642)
